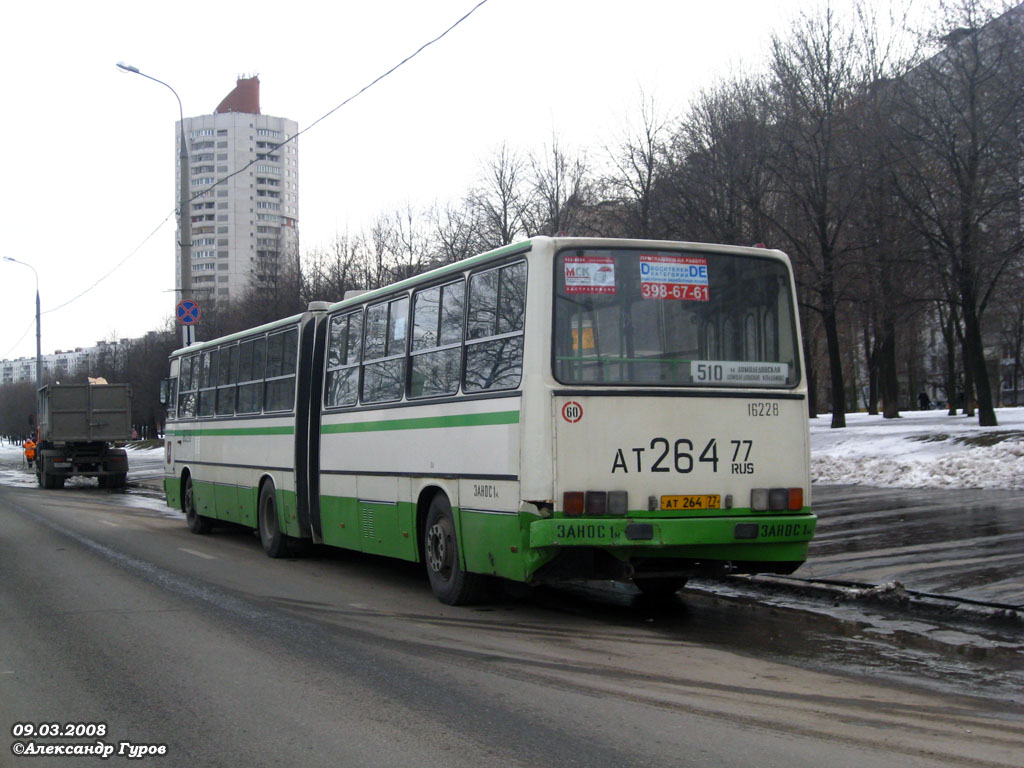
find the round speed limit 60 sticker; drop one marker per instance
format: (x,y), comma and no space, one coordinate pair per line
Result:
(572,412)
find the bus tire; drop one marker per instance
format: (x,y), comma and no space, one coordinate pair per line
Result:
(275,543)
(663,587)
(196,522)
(450,583)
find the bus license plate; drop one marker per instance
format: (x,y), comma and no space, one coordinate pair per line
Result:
(707,501)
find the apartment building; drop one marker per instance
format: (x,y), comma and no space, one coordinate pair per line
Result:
(244,183)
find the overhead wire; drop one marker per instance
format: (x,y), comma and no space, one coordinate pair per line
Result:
(259,157)
(23,335)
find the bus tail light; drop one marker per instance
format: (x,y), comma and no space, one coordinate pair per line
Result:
(776,499)
(576,503)
(596,502)
(759,500)
(572,503)
(618,503)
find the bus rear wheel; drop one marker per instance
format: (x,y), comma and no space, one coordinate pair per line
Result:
(450,582)
(196,522)
(275,543)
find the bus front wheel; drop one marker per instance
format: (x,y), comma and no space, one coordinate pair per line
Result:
(196,522)
(450,582)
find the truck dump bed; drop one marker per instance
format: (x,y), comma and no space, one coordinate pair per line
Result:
(85,413)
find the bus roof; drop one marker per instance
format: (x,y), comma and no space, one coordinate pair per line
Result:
(557,244)
(266,327)
(523,246)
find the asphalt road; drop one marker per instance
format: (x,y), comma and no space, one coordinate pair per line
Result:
(958,542)
(115,614)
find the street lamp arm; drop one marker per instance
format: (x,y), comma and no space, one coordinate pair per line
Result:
(25,264)
(135,70)
(184,217)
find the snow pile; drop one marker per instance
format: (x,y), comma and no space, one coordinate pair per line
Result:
(922,449)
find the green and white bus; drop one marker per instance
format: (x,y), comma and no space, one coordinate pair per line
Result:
(557,409)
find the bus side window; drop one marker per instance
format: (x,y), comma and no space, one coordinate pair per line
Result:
(346,332)
(226,378)
(169,396)
(282,349)
(436,357)
(384,351)
(250,375)
(187,387)
(209,362)
(494,339)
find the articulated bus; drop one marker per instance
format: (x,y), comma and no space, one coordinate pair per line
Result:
(557,409)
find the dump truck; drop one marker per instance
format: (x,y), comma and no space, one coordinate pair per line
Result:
(79,425)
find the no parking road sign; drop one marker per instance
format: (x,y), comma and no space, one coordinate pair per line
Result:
(188,312)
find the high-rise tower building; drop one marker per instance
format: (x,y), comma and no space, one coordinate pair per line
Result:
(246,226)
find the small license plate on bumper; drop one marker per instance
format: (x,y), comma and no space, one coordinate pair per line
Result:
(705,501)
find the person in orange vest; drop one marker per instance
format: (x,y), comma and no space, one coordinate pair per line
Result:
(30,450)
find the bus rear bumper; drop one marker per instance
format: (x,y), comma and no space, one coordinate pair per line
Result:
(746,532)
(618,549)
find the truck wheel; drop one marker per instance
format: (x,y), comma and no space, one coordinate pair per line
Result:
(196,522)
(120,480)
(450,583)
(274,542)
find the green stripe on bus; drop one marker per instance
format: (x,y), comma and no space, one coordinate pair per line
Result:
(426,422)
(232,432)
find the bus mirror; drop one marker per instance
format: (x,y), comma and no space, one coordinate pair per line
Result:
(164,390)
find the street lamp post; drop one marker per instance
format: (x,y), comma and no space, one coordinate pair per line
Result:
(184,215)
(39,337)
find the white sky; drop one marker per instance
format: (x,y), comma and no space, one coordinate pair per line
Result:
(89,161)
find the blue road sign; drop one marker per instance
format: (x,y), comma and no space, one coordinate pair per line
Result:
(188,312)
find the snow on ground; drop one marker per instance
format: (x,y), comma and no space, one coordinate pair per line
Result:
(145,468)
(921,449)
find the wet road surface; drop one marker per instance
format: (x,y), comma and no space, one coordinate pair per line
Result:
(965,543)
(204,644)
(958,542)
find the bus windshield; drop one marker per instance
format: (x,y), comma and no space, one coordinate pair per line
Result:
(648,317)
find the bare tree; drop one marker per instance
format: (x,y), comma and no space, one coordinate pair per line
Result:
(412,244)
(891,291)
(959,113)
(380,254)
(560,189)
(497,199)
(814,80)
(637,161)
(330,272)
(454,236)
(715,185)
(17,409)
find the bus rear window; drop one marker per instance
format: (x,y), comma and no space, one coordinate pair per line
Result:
(642,317)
